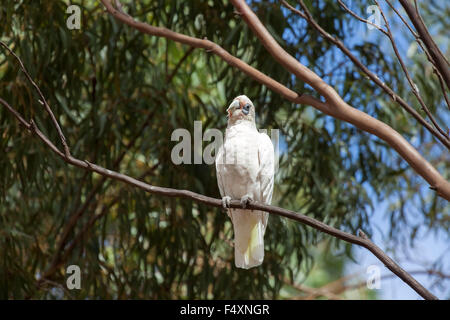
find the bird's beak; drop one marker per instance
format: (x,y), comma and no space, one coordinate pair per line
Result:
(233,105)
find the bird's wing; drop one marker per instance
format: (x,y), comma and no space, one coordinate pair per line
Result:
(266,172)
(266,155)
(219,160)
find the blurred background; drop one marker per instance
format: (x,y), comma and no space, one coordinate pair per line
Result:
(119,94)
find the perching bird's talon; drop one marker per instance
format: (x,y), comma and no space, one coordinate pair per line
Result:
(245,200)
(226,202)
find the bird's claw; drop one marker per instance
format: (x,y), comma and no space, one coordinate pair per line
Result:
(245,200)
(226,202)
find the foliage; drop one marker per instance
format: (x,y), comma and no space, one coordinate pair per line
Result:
(112,90)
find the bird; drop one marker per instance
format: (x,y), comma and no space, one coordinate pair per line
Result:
(245,171)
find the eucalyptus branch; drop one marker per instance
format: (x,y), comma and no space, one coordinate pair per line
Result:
(361,18)
(408,76)
(75,217)
(395,97)
(430,59)
(334,105)
(42,101)
(438,57)
(63,252)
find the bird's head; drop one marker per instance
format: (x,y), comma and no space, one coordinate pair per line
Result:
(241,108)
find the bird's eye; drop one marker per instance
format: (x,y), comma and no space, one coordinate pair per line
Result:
(246,109)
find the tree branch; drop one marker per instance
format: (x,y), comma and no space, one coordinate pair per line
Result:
(308,17)
(408,77)
(430,59)
(360,18)
(43,101)
(70,225)
(439,59)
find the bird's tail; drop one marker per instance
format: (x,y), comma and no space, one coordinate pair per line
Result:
(249,228)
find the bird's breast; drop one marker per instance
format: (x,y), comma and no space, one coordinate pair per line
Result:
(240,163)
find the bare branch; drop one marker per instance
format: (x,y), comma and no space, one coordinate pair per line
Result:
(436,54)
(214,48)
(44,102)
(430,59)
(74,218)
(408,77)
(308,17)
(309,77)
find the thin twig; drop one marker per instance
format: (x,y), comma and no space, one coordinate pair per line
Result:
(308,17)
(430,59)
(65,252)
(43,100)
(74,218)
(360,18)
(408,76)
(439,58)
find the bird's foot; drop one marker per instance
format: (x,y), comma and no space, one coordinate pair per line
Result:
(226,201)
(245,200)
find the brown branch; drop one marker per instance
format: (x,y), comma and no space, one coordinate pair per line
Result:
(70,225)
(408,77)
(308,17)
(214,48)
(43,101)
(334,106)
(334,289)
(341,109)
(430,59)
(360,240)
(436,54)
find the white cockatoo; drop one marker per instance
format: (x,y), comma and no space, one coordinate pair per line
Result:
(245,171)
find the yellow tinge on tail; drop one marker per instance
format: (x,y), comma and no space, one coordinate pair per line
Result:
(249,229)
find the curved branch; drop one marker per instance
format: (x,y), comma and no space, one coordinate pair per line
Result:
(419,42)
(214,48)
(341,109)
(360,240)
(308,17)
(408,77)
(43,101)
(440,61)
